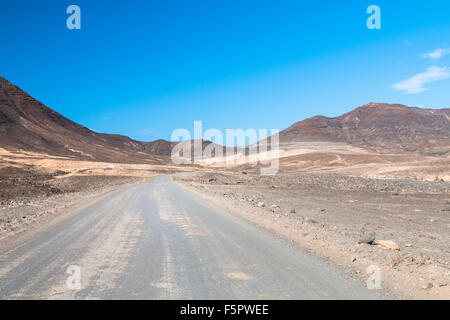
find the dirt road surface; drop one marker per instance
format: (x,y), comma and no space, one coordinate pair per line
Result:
(159,241)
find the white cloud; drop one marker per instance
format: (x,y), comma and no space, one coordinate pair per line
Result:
(415,83)
(436,54)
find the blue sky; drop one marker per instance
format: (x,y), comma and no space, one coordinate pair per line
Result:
(145,68)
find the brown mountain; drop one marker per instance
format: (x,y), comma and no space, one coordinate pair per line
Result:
(380,127)
(27,124)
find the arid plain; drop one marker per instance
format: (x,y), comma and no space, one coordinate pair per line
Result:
(371,187)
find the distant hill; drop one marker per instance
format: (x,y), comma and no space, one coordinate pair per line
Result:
(27,124)
(380,127)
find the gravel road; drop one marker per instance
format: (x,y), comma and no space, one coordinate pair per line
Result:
(159,241)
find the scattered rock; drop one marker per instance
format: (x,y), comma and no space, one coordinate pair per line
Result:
(261,204)
(309,220)
(293,211)
(425,257)
(353,259)
(397,261)
(212,180)
(428,286)
(443,284)
(368,238)
(408,245)
(389,244)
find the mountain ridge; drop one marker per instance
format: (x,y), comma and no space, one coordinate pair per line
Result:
(27,124)
(379,127)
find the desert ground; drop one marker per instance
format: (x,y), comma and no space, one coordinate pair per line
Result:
(35,186)
(328,197)
(314,211)
(327,202)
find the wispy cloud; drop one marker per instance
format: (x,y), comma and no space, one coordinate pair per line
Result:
(416,83)
(436,54)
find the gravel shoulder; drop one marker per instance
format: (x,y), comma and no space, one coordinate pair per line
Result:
(28,214)
(158,241)
(329,214)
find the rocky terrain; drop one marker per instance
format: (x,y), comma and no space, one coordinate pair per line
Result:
(35,185)
(335,216)
(380,127)
(371,187)
(28,125)
(30,212)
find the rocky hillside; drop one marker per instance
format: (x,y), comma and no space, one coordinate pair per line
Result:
(380,127)
(28,125)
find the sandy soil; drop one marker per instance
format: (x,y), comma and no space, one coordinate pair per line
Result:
(322,202)
(35,186)
(30,214)
(329,213)
(343,158)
